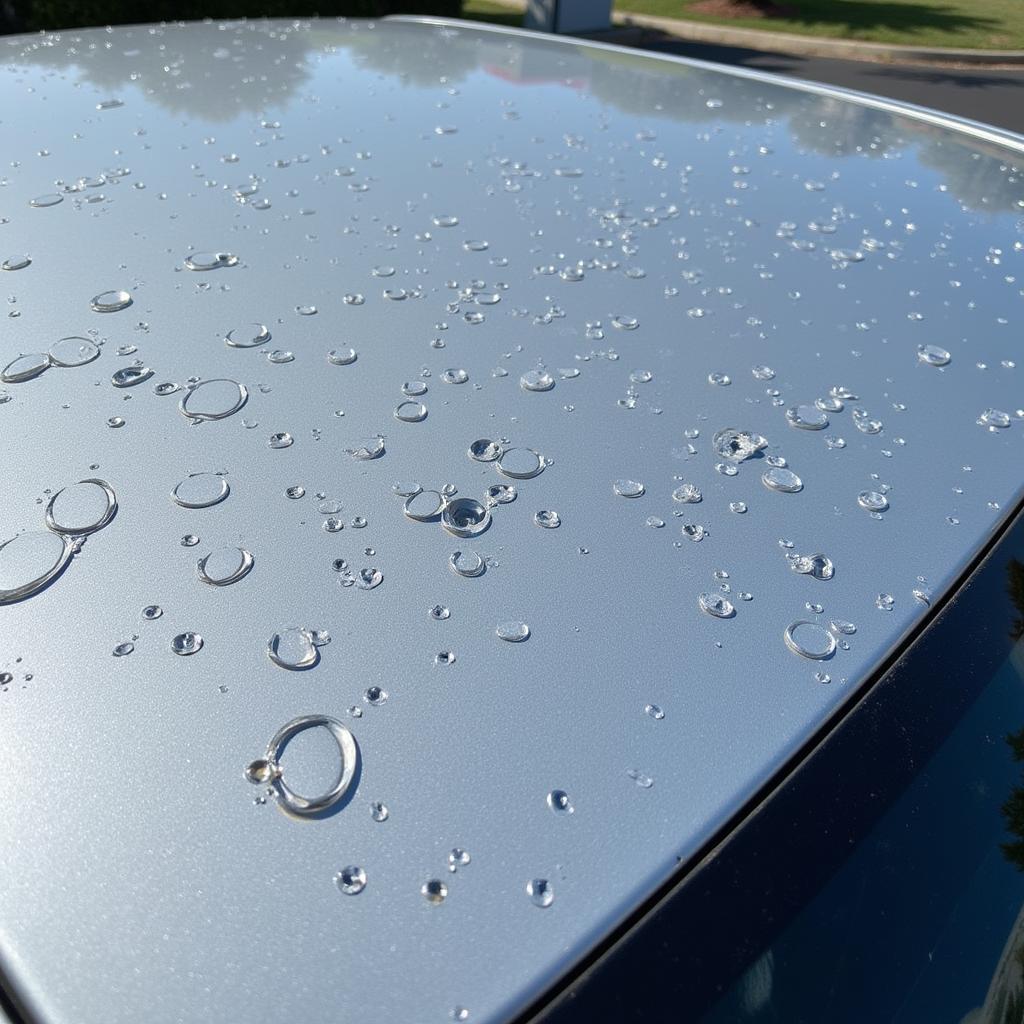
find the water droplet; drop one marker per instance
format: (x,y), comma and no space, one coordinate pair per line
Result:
(411,412)
(379,811)
(445,221)
(295,492)
(375,695)
(484,450)
(25,367)
(190,540)
(279,356)
(628,488)
(406,488)
(548,519)
(224,566)
(111,302)
(467,563)
(885,602)
(716,605)
(151,612)
(342,356)
(809,640)
(932,355)
(351,880)
(818,566)
(654,711)
(306,310)
(445,658)
(29,561)
(536,380)
(540,892)
(845,628)
(455,376)
(116,421)
(739,507)
(558,800)
(721,379)
(247,337)
(122,649)
(366,449)
(213,399)
(16,263)
(872,501)
(687,493)
(49,199)
(367,579)
(187,643)
(994,419)
(414,388)
(806,417)
(465,517)
(201,490)
(459,1013)
(440,612)
(282,439)
(434,891)
(81,508)
(73,351)
(783,480)
(763,373)
(513,632)
(458,858)
(423,505)
(293,648)
(642,780)
(737,445)
(129,376)
(625,323)
(520,463)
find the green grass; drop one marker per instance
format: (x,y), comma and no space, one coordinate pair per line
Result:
(980,24)
(497,14)
(973,24)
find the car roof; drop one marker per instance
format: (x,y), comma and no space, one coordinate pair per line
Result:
(745,351)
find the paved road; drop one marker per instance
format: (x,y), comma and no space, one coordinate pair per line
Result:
(995,97)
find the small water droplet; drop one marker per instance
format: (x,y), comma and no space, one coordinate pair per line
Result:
(465,517)
(186,643)
(558,800)
(467,563)
(280,440)
(458,858)
(687,493)
(224,566)
(654,712)
(818,566)
(513,632)
(366,449)
(484,450)
(885,602)
(628,488)
(201,490)
(434,891)
(548,519)
(25,367)
(122,649)
(809,640)
(213,399)
(247,337)
(737,445)
(540,892)
(293,648)
(716,605)
(16,263)
(375,695)
(73,351)
(932,355)
(379,811)
(411,412)
(210,260)
(295,492)
(642,780)
(806,417)
(536,380)
(111,302)
(190,540)
(520,463)
(423,505)
(81,508)
(351,880)
(151,612)
(49,199)
(783,480)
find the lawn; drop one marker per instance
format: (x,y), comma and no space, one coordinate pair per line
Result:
(974,24)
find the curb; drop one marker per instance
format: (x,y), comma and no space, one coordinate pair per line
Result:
(812,46)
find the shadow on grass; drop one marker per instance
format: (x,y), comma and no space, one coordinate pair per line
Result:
(847,17)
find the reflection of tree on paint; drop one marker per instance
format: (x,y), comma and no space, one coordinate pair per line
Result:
(1013,808)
